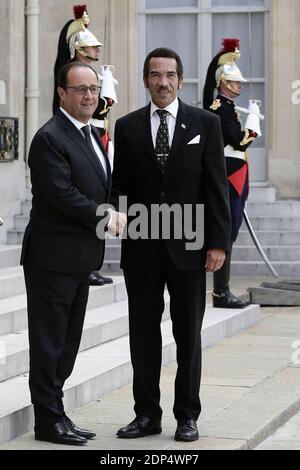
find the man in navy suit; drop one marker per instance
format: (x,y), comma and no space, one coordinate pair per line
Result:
(169,153)
(70,176)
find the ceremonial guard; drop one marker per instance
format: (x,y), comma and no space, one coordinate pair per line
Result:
(77,43)
(224,76)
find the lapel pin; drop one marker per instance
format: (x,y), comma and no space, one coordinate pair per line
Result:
(183,126)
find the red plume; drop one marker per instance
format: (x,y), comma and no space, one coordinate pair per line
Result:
(79,10)
(230,44)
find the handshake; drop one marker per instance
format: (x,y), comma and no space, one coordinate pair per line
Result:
(117,222)
(254,116)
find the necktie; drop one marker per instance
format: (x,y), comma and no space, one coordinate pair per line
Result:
(162,147)
(87,134)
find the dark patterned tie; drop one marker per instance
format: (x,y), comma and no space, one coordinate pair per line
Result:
(162,147)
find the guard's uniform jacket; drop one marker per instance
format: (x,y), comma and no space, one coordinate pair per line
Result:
(236,142)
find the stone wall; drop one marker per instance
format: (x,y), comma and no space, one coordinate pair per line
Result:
(284,71)
(12,72)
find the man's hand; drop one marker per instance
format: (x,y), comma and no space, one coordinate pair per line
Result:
(117,223)
(214,260)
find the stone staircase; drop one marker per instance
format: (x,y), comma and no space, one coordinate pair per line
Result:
(103,363)
(277,227)
(276,224)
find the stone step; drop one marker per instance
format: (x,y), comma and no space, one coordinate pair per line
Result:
(112,252)
(269,296)
(105,322)
(267,223)
(13,310)
(107,367)
(9,256)
(111,266)
(262,194)
(26,207)
(275,237)
(21,222)
(15,237)
(274,253)
(278,208)
(289,269)
(11,282)
(102,324)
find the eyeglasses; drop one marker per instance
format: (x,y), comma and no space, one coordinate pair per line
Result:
(82,90)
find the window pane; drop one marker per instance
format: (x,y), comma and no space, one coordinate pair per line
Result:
(189,94)
(170,3)
(236,25)
(167,31)
(226,3)
(258,93)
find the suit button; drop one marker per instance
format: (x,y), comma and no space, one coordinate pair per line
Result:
(162,194)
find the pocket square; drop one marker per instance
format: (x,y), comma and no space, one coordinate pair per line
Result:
(196,140)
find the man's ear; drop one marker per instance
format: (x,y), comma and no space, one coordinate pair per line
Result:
(180,83)
(61,92)
(146,83)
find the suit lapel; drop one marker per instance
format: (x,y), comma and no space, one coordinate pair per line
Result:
(183,121)
(76,135)
(99,142)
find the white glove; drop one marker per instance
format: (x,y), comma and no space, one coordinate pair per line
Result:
(108,83)
(254,117)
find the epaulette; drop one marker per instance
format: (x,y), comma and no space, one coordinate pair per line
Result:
(216,105)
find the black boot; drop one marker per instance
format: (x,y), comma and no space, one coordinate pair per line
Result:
(222,297)
(226,299)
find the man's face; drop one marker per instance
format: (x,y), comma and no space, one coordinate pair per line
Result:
(91,51)
(162,81)
(81,107)
(235,88)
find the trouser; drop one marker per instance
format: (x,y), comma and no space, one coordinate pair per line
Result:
(56,305)
(145,287)
(222,277)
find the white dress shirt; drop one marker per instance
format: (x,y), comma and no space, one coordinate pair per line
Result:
(79,125)
(172,109)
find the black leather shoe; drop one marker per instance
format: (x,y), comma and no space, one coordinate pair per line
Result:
(227,300)
(58,433)
(76,430)
(186,430)
(94,280)
(106,280)
(141,426)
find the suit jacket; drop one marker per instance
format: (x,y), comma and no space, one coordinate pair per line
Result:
(68,184)
(195,174)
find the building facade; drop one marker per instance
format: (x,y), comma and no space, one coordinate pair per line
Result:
(270,46)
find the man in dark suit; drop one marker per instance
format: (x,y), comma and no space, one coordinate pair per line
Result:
(169,153)
(70,176)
